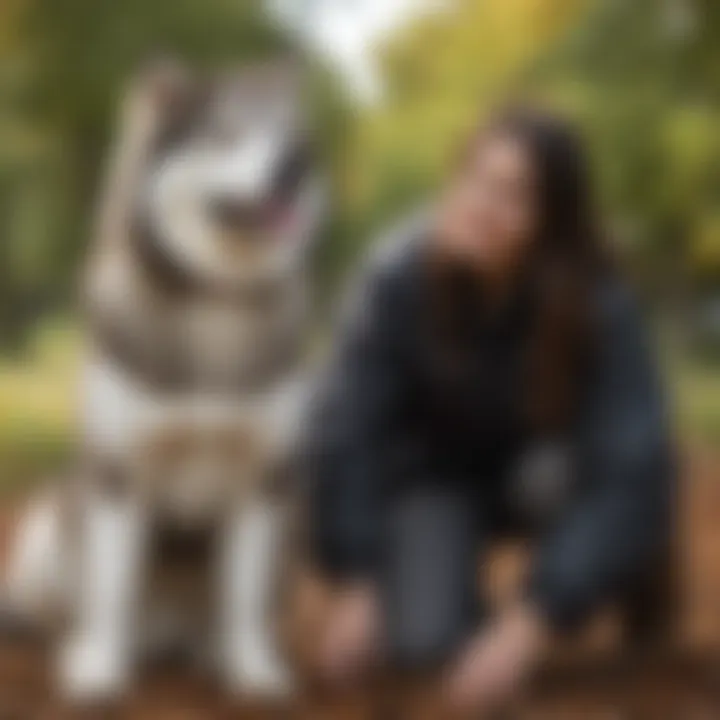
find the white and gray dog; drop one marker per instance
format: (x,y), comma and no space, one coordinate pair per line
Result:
(197,300)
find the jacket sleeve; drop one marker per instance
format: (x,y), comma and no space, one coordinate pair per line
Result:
(351,430)
(617,528)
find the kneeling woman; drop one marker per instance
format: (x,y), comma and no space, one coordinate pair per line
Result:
(494,377)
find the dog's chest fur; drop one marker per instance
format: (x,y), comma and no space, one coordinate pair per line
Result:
(197,366)
(224,341)
(192,340)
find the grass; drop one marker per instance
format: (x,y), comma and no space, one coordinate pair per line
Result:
(697,398)
(38,403)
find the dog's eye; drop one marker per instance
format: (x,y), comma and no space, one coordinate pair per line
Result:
(225,129)
(292,171)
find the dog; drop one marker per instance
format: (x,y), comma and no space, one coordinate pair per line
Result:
(196,299)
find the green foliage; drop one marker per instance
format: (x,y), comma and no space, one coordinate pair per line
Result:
(38,406)
(63,64)
(650,110)
(641,78)
(442,74)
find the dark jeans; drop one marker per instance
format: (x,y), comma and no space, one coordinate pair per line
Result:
(429,576)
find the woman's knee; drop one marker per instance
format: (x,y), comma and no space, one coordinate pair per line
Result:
(430,595)
(421,648)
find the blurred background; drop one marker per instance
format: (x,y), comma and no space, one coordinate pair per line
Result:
(394,85)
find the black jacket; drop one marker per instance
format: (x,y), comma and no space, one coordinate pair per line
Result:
(383,422)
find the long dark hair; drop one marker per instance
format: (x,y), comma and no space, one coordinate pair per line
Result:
(564,259)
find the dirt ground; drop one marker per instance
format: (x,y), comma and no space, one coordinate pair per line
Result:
(591,681)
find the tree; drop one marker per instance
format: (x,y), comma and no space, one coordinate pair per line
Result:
(650,109)
(440,74)
(641,79)
(62,66)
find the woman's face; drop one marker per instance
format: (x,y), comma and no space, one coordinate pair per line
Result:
(488,215)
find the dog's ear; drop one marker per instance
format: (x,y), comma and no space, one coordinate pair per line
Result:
(280,76)
(162,80)
(162,95)
(288,71)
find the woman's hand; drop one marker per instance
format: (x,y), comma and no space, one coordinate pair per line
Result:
(350,636)
(498,661)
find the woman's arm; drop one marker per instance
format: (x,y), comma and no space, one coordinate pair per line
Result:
(625,461)
(350,433)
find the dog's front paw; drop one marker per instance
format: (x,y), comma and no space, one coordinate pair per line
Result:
(253,668)
(92,669)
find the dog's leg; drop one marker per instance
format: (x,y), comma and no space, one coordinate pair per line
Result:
(94,662)
(37,566)
(249,565)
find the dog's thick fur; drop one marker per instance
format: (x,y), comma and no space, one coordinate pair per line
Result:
(196,299)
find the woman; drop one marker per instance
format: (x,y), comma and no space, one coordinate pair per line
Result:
(496,335)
